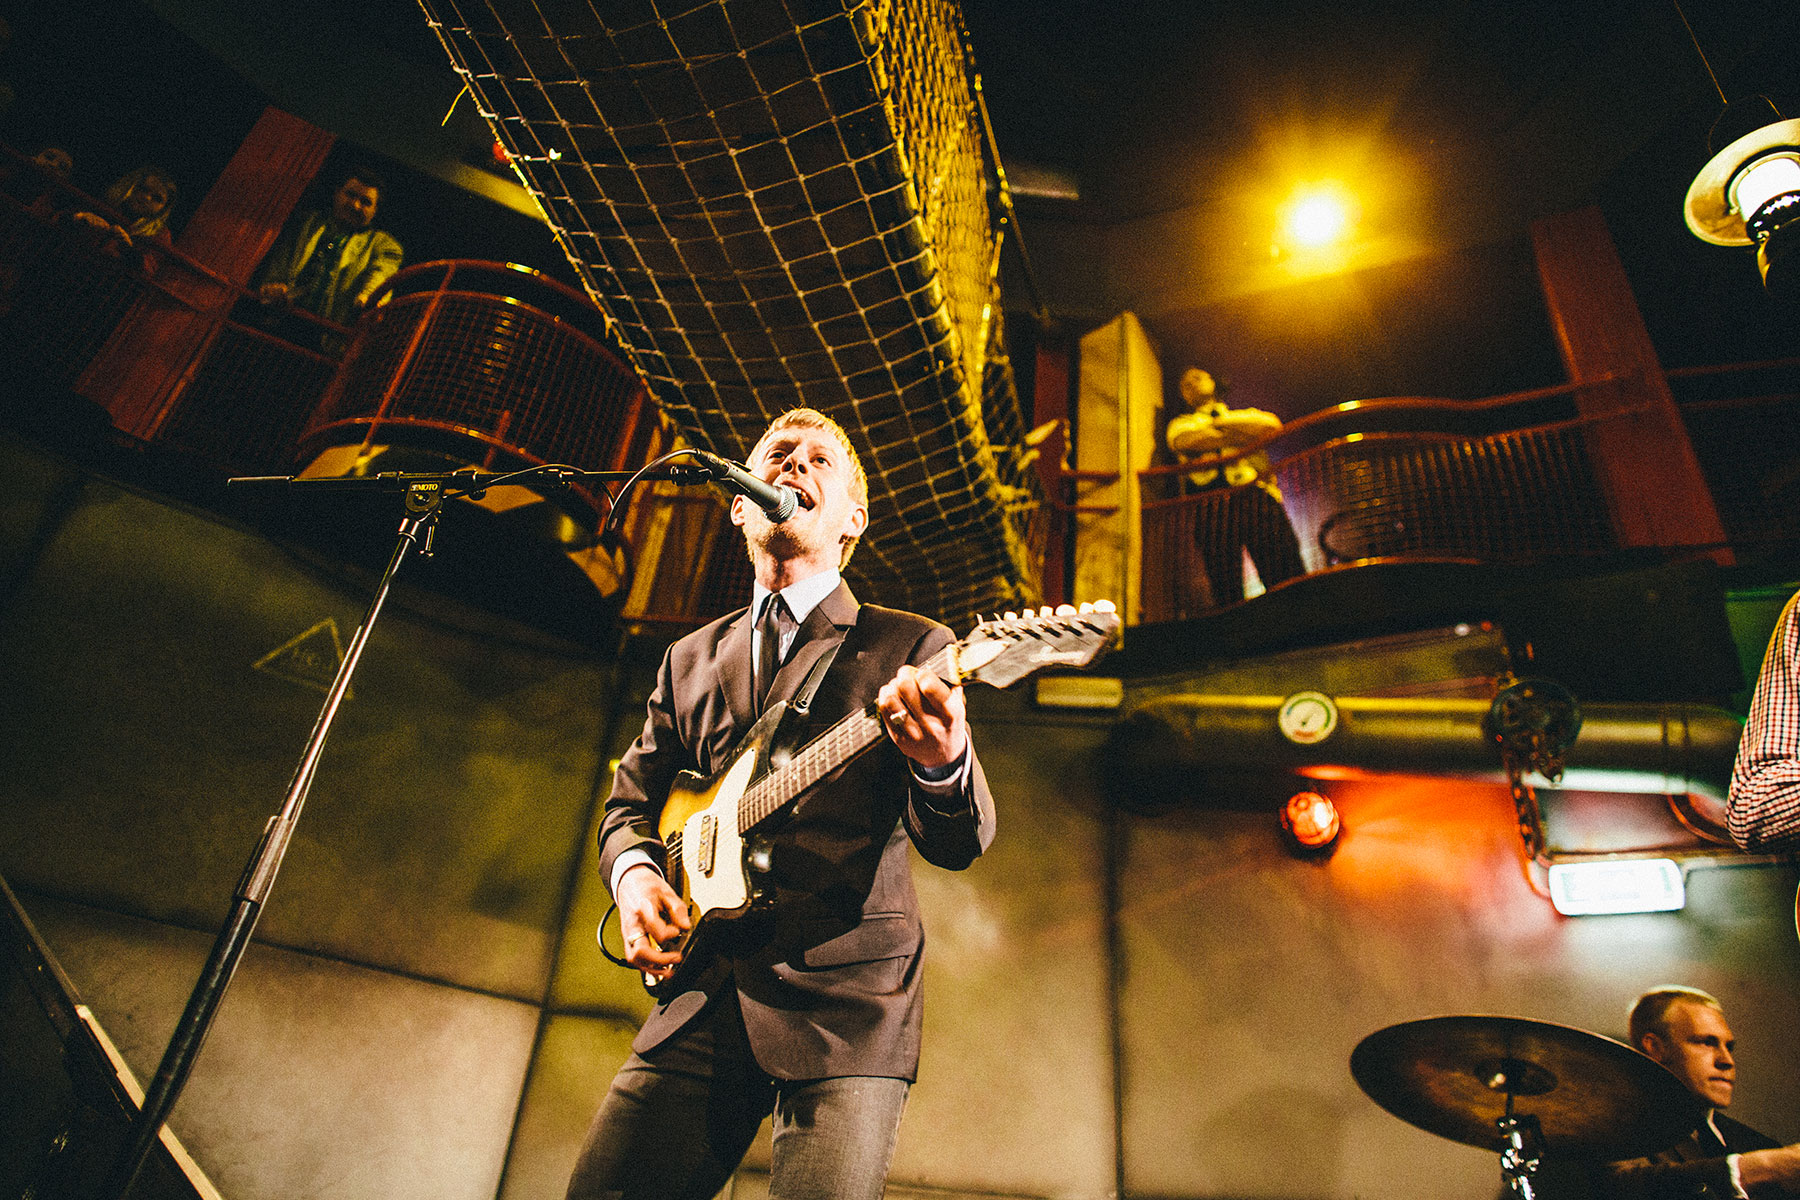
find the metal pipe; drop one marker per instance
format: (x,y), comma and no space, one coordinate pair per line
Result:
(1642,748)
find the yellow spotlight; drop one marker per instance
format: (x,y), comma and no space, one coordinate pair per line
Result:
(1311,822)
(1316,217)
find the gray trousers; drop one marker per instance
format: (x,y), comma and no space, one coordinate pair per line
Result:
(676,1125)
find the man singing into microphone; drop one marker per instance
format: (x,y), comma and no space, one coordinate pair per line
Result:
(809,1009)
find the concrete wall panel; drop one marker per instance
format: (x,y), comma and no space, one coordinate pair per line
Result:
(320,1078)
(1015,1091)
(1251,975)
(147,752)
(575,1061)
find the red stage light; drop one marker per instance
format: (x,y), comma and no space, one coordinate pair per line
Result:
(1310,821)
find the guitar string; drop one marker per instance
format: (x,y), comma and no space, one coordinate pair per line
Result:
(849,737)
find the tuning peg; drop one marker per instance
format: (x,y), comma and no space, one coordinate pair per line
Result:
(1105,606)
(1085,608)
(1065,610)
(1012,616)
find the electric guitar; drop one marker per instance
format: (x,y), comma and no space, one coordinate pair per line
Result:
(715,863)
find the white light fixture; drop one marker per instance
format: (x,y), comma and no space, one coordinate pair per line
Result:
(1617,885)
(1749,194)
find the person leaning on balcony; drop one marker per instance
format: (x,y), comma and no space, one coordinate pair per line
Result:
(33,181)
(142,200)
(331,263)
(1250,516)
(1762,809)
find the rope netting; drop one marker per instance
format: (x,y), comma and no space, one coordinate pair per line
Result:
(783,203)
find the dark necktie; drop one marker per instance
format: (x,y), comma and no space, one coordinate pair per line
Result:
(775,623)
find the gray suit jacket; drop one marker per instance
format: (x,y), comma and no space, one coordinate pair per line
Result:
(829,975)
(367,260)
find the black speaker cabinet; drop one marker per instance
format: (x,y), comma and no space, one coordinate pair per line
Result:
(66,1096)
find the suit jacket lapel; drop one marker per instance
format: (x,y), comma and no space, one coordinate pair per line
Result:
(737,674)
(824,627)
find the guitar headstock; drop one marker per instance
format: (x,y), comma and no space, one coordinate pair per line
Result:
(1002,650)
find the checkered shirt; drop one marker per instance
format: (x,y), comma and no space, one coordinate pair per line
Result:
(1763,811)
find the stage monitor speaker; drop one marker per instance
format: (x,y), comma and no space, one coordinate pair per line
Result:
(67,1097)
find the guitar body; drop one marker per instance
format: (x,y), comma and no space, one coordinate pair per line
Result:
(709,856)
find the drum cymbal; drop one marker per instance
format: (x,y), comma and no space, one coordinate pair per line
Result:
(1591,1095)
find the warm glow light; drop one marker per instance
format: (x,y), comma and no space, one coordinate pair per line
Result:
(1311,820)
(1635,885)
(1316,218)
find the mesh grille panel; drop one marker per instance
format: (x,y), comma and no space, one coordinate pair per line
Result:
(247,401)
(1507,497)
(1520,496)
(1752,464)
(487,367)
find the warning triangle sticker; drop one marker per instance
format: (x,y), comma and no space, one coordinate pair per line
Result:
(311,659)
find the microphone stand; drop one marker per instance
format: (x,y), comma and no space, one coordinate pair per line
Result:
(423,497)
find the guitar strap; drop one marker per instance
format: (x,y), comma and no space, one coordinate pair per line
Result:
(804,697)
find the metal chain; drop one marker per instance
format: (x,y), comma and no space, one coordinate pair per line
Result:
(1534,721)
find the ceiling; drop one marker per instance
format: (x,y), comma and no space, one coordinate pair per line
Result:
(1459,122)
(1184,123)
(1181,124)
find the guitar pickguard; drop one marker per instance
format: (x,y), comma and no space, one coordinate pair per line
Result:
(712,846)
(710,870)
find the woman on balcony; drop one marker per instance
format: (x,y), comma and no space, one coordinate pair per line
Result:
(142,200)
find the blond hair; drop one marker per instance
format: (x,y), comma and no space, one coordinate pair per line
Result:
(1650,1011)
(156,222)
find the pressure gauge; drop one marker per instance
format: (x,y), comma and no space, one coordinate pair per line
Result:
(1307,718)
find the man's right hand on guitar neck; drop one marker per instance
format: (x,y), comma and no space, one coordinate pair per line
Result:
(651,915)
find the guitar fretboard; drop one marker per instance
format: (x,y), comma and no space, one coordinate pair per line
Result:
(844,741)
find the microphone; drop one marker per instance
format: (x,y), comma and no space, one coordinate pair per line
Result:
(775,499)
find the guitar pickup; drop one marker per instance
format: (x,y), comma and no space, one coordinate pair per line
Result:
(709,840)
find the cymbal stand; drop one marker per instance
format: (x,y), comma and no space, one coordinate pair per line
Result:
(1524,1151)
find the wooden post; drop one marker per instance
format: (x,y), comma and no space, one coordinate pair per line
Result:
(1050,402)
(1638,443)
